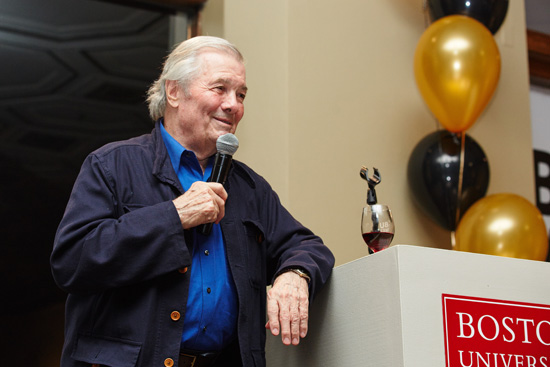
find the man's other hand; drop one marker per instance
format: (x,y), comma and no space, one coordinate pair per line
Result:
(204,202)
(288,307)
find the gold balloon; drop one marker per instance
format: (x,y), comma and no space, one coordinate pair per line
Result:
(505,225)
(457,67)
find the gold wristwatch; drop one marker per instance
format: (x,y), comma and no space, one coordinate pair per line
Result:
(301,273)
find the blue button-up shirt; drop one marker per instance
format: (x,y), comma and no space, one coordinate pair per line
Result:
(211,314)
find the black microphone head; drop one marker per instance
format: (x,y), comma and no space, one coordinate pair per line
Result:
(227,144)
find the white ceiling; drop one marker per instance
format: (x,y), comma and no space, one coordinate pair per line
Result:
(537,13)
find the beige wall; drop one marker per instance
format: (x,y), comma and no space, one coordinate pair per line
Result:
(332,88)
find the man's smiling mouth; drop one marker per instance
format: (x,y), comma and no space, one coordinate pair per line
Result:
(223,120)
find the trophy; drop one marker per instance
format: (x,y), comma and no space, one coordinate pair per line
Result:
(377,222)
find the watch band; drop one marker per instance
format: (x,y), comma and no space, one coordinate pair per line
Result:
(301,273)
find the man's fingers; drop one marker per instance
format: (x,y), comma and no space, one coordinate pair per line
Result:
(272,315)
(219,195)
(287,308)
(218,189)
(295,320)
(304,317)
(299,318)
(204,202)
(285,321)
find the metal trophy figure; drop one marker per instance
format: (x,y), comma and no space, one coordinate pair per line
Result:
(377,224)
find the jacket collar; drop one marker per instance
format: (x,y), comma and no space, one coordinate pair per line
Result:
(162,166)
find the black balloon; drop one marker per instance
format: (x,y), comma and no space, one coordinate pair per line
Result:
(489,12)
(434,173)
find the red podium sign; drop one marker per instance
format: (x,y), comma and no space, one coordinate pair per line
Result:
(482,332)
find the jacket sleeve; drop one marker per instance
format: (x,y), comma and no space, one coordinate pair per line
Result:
(291,245)
(103,243)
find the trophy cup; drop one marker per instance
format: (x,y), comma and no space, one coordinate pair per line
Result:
(377,224)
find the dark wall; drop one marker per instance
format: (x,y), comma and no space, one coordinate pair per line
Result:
(73,76)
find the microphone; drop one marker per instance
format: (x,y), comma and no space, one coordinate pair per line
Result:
(226,145)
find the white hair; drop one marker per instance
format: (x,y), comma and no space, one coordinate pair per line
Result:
(183,65)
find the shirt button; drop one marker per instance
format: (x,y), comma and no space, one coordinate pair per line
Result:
(204,329)
(175,315)
(183,270)
(206,252)
(168,362)
(208,290)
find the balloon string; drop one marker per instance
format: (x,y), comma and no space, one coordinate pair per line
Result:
(460,176)
(453,240)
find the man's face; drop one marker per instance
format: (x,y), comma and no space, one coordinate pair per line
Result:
(213,105)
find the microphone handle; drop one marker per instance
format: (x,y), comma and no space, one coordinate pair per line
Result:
(219,175)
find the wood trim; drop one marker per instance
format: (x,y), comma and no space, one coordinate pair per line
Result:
(178,4)
(195,25)
(186,6)
(538,45)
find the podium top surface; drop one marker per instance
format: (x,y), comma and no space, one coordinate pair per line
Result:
(453,270)
(386,309)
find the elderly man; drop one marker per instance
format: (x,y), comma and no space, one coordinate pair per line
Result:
(146,288)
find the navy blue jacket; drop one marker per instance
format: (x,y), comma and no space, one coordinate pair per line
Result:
(122,255)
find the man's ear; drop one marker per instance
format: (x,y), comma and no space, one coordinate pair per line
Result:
(173,91)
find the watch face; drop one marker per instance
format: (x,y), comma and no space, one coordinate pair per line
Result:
(302,274)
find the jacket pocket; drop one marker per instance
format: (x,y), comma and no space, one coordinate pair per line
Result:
(106,351)
(255,252)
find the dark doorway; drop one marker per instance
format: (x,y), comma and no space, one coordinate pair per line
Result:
(73,77)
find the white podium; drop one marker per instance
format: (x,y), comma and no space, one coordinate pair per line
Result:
(422,307)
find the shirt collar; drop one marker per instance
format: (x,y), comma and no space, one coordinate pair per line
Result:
(176,150)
